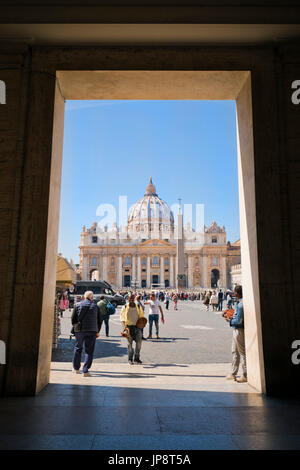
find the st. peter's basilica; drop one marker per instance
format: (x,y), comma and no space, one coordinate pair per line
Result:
(144,253)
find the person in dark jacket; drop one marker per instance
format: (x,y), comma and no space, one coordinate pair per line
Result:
(87,314)
(220,301)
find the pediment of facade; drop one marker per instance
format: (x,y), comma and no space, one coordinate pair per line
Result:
(156,243)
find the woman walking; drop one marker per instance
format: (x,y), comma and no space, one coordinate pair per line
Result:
(207,300)
(63,303)
(175,300)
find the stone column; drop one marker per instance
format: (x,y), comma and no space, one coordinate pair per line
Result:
(171,271)
(162,270)
(119,282)
(204,271)
(139,270)
(224,272)
(104,267)
(85,268)
(190,272)
(148,272)
(133,268)
(176,272)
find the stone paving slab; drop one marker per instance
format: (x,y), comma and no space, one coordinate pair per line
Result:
(176,407)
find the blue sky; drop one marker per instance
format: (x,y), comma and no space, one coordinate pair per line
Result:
(111,148)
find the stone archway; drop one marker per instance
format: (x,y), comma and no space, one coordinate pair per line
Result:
(94,275)
(81,81)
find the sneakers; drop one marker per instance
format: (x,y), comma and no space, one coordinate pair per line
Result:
(242,379)
(138,361)
(86,374)
(130,362)
(231,377)
(76,371)
(149,337)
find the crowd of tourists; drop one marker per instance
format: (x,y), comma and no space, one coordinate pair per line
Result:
(88,317)
(214,298)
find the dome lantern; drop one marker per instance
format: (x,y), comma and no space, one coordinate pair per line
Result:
(150,189)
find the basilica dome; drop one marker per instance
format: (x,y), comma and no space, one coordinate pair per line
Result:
(150,213)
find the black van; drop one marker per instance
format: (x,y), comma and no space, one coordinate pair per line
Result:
(99,288)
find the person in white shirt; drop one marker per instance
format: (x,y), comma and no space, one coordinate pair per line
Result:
(154,308)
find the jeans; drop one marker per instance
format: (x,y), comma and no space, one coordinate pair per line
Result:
(153,317)
(135,335)
(88,338)
(220,305)
(105,319)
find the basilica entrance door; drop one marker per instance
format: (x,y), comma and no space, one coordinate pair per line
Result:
(127,279)
(215,276)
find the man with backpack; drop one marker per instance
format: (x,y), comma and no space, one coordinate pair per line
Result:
(105,312)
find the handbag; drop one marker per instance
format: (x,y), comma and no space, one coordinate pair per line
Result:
(125,333)
(77,326)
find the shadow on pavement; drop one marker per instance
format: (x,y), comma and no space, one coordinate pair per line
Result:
(107,348)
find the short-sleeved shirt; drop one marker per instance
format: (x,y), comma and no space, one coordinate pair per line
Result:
(132,316)
(154,307)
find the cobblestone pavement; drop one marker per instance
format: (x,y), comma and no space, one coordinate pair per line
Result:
(189,336)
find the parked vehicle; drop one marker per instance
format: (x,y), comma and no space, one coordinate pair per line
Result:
(99,288)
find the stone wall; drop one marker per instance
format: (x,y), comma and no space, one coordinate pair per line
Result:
(29,218)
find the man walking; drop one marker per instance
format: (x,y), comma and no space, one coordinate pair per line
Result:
(220,301)
(155,307)
(238,338)
(86,319)
(129,316)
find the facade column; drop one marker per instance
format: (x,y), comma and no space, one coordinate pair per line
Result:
(224,272)
(120,281)
(133,268)
(176,272)
(190,272)
(138,275)
(104,267)
(162,270)
(85,268)
(204,271)
(171,271)
(148,272)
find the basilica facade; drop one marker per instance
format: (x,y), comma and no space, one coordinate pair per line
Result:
(144,253)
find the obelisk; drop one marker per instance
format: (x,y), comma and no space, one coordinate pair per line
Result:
(181,278)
